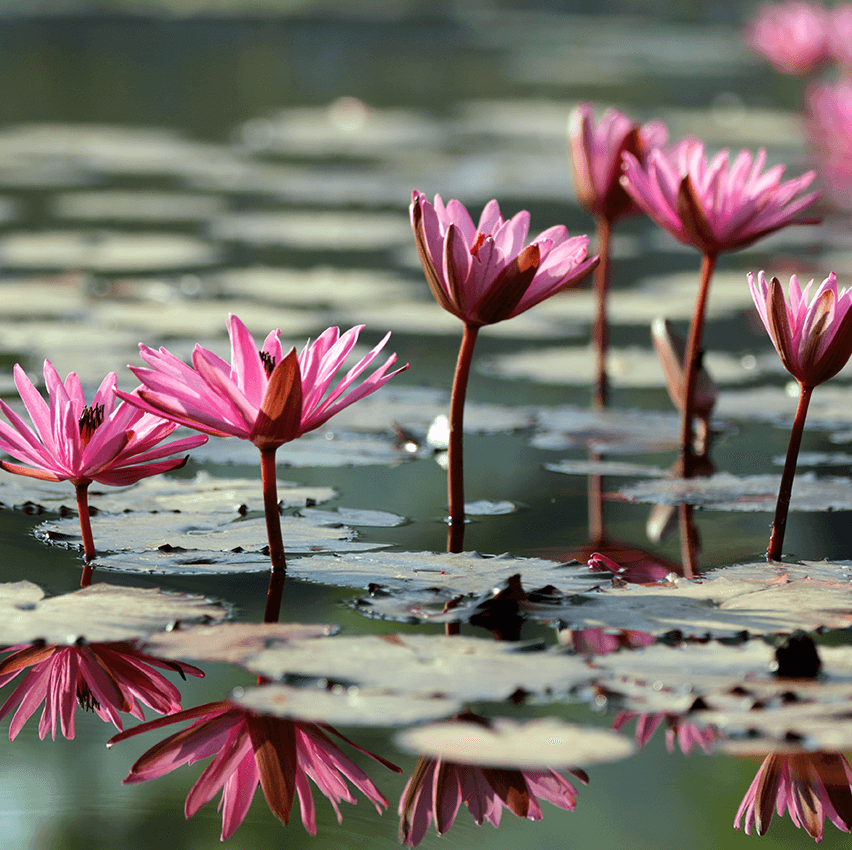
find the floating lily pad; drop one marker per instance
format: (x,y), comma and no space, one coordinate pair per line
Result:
(751,493)
(340,706)
(606,467)
(829,406)
(57,298)
(176,560)
(98,613)
(457,667)
(483,507)
(818,459)
(354,516)
(535,745)
(140,205)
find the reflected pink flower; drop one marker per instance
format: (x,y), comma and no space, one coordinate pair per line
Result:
(596,158)
(678,730)
(813,336)
(252,749)
(484,273)
(792,36)
(840,34)
(262,395)
(828,123)
(437,789)
(810,785)
(637,567)
(711,205)
(106,678)
(110,443)
(601,642)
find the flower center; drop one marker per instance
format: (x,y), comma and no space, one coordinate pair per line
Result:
(478,243)
(85,698)
(268,361)
(89,421)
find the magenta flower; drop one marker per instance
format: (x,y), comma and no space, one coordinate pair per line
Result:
(678,731)
(813,336)
(106,678)
(105,442)
(596,158)
(828,122)
(840,34)
(810,785)
(253,749)
(437,789)
(484,273)
(262,395)
(792,36)
(712,206)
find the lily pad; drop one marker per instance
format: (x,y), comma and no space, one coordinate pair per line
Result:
(140,205)
(829,406)
(606,467)
(354,516)
(535,745)
(483,507)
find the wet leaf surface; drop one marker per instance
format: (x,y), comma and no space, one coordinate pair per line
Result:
(354,516)
(606,467)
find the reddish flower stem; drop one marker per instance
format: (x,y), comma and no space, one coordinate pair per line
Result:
(779,524)
(688,540)
(273,533)
(455,456)
(690,366)
(601,329)
(82,490)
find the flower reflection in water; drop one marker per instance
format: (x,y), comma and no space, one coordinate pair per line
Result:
(106,678)
(253,749)
(437,788)
(682,732)
(810,785)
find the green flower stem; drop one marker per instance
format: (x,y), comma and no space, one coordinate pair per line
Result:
(273,533)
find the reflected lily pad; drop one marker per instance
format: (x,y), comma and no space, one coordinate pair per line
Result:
(535,745)
(99,613)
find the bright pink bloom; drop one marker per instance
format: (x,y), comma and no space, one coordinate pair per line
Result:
(601,642)
(840,34)
(683,732)
(103,677)
(828,123)
(793,36)
(709,205)
(812,337)
(105,442)
(483,273)
(262,395)
(437,789)
(810,785)
(596,157)
(253,749)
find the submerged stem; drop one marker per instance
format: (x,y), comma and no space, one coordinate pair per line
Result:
(82,490)
(690,366)
(601,329)
(779,524)
(273,533)
(455,456)
(688,540)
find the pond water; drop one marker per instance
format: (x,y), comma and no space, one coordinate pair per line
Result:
(160,171)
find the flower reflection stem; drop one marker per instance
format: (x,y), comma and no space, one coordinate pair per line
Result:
(691,363)
(82,490)
(455,454)
(273,533)
(601,330)
(779,524)
(688,540)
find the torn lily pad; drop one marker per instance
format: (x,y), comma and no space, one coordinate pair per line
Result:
(99,613)
(534,745)
(750,493)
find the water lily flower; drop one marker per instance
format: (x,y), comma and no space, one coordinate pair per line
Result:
(828,123)
(437,788)
(251,749)
(679,731)
(792,36)
(596,158)
(810,786)
(106,678)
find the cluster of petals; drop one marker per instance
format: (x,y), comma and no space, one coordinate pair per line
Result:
(262,395)
(794,36)
(106,441)
(813,336)
(485,273)
(596,152)
(251,749)
(714,206)
(828,123)
(682,732)
(107,678)
(811,786)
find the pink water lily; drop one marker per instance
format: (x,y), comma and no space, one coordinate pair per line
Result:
(792,36)
(811,786)
(680,731)
(596,152)
(71,440)
(262,395)
(828,123)
(485,272)
(107,678)
(252,749)
(715,206)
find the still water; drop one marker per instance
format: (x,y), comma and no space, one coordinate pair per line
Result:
(159,171)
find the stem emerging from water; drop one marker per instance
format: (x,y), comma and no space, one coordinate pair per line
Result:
(455,456)
(779,524)
(601,330)
(273,533)
(86,530)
